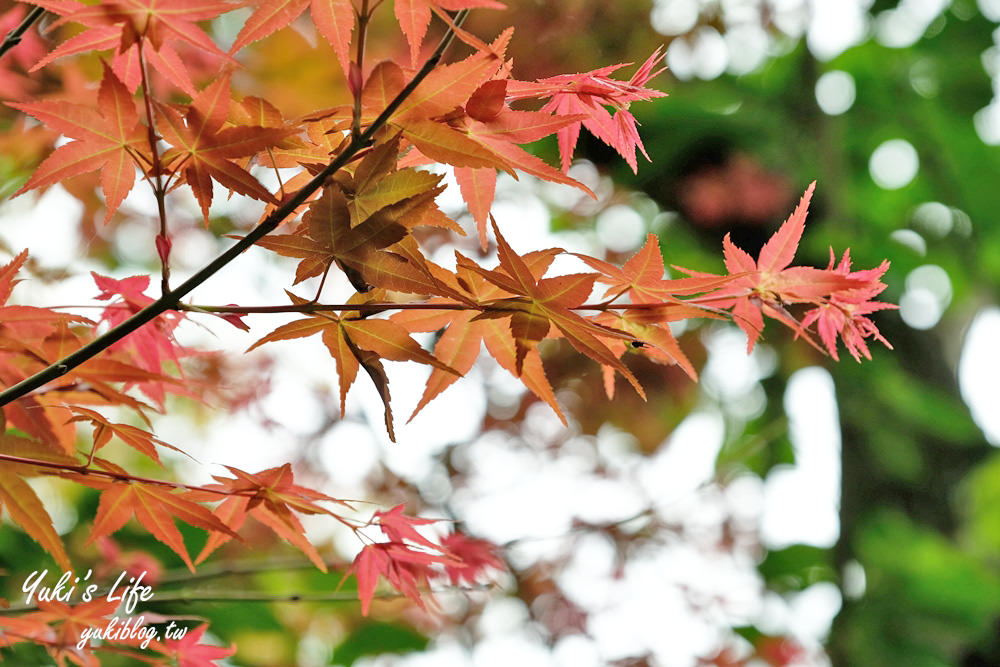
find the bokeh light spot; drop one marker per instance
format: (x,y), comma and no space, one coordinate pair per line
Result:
(835,92)
(620,228)
(894,164)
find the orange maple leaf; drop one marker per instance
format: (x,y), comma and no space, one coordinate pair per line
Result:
(272,498)
(203,151)
(356,342)
(109,138)
(542,303)
(154,506)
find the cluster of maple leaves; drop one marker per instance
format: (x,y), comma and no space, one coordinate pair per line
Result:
(361,222)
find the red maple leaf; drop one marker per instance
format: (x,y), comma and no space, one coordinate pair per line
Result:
(399,527)
(590,94)
(109,138)
(151,345)
(543,303)
(190,652)
(333,18)
(405,568)
(475,555)
(154,506)
(122,25)
(269,496)
(465,334)
(845,312)
(415,15)
(203,151)
(767,285)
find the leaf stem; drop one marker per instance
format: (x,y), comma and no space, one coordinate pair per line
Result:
(170,300)
(158,188)
(359,65)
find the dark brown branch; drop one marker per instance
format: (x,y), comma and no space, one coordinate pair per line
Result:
(171,299)
(13,37)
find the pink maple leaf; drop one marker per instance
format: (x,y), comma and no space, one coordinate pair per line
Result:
(845,312)
(592,94)
(190,652)
(765,286)
(150,345)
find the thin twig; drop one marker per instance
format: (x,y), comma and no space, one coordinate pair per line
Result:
(13,37)
(376,307)
(171,300)
(122,477)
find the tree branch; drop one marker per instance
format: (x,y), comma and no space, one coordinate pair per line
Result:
(376,307)
(171,300)
(84,470)
(13,37)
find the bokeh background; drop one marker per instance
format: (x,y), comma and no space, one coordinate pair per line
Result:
(785,510)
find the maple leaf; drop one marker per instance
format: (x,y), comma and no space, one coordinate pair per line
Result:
(122,25)
(415,15)
(589,94)
(203,151)
(498,130)
(545,302)
(476,143)
(475,556)
(464,335)
(153,506)
(190,652)
(43,415)
(109,138)
(376,183)
(334,19)
(136,438)
(21,502)
(652,338)
(642,277)
(404,567)
(326,236)
(458,116)
(399,528)
(845,312)
(766,285)
(150,345)
(355,342)
(20,326)
(271,497)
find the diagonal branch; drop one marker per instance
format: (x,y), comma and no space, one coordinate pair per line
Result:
(13,37)
(171,300)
